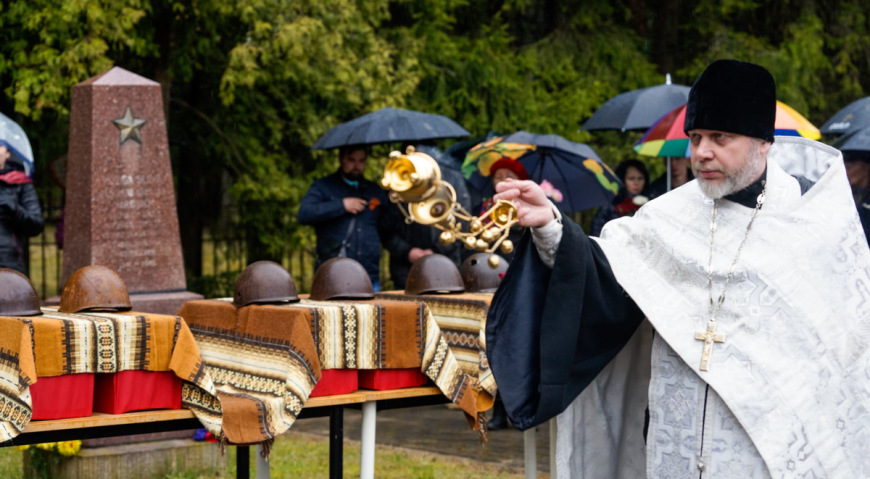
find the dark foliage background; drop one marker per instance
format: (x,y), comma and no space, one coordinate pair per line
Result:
(251,84)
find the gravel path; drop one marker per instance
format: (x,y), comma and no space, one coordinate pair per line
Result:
(440,430)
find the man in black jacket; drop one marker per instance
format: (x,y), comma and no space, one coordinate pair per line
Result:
(20,214)
(344,209)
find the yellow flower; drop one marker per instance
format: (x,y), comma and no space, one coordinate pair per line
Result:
(21,448)
(46,446)
(69,448)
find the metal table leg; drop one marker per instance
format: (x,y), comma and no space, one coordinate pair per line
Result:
(367,441)
(243,462)
(336,442)
(262,464)
(530,458)
(553,436)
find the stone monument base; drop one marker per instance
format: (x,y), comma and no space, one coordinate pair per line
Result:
(162,302)
(137,461)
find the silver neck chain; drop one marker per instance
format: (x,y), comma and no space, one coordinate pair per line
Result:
(715,307)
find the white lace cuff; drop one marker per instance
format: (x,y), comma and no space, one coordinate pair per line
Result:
(547,238)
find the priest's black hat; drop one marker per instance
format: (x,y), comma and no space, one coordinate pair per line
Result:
(733,96)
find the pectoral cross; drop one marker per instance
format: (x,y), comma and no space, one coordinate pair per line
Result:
(709,337)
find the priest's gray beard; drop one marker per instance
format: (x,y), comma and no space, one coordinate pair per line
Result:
(736,180)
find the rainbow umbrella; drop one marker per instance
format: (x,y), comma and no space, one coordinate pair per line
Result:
(791,123)
(666,137)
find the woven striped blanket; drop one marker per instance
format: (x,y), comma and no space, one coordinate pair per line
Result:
(462,320)
(387,334)
(366,335)
(57,343)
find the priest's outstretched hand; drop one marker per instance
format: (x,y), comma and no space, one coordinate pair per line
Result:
(534,209)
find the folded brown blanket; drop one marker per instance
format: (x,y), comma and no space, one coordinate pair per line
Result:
(263,362)
(17,373)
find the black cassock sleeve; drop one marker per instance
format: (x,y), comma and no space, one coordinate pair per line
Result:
(549,332)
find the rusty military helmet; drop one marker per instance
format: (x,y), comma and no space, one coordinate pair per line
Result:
(434,273)
(264,282)
(479,274)
(94,288)
(17,295)
(341,278)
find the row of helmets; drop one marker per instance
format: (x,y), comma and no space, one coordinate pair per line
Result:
(264,282)
(91,288)
(98,288)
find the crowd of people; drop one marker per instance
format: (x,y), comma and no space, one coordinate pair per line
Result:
(352,216)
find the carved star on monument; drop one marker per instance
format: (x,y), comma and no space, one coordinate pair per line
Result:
(130,127)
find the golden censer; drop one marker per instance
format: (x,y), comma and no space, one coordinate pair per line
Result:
(414,179)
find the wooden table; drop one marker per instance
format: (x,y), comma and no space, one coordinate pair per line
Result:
(109,425)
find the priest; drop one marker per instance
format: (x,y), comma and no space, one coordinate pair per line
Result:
(722,331)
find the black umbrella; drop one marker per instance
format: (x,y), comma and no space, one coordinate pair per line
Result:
(854,116)
(638,109)
(390,125)
(854,144)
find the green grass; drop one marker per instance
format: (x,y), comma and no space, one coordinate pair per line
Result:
(10,463)
(306,456)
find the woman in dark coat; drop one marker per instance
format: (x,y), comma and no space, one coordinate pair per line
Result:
(636,180)
(20,214)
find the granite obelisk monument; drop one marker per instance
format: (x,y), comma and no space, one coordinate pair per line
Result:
(120,207)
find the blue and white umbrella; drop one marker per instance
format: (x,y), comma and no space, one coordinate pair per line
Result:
(12,136)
